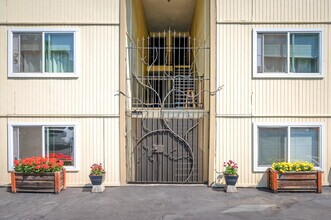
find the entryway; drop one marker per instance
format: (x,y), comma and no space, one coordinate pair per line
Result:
(167,99)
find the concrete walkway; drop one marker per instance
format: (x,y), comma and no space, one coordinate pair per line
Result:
(165,202)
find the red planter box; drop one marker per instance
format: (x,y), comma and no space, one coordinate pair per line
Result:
(295,181)
(38,182)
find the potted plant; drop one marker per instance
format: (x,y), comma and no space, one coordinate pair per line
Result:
(97,174)
(67,159)
(296,176)
(38,174)
(231,172)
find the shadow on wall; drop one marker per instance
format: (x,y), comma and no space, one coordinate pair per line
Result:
(218,182)
(329,177)
(264,180)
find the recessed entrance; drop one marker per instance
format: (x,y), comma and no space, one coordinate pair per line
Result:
(167,103)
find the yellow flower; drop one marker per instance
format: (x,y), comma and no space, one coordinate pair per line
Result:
(294,166)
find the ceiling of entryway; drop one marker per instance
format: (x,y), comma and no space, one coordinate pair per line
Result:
(164,14)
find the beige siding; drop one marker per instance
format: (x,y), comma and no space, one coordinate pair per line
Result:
(235,142)
(245,100)
(234,69)
(137,25)
(200,22)
(2,10)
(62,11)
(4,176)
(274,10)
(90,100)
(96,141)
(268,97)
(94,92)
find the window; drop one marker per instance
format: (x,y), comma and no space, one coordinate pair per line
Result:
(42,53)
(287,53)
(287,142)
(43,140)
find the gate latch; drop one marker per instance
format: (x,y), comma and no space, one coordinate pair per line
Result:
(158,148)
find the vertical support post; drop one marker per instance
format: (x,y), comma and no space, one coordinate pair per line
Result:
(122,85)
(274,182)
(13,182)
(268,177)
(57,178)
(212,99)
(64,178)
(319,181)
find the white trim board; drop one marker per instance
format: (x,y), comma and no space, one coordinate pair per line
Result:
(288,74)
(57,124)
(321,126)
(43,74)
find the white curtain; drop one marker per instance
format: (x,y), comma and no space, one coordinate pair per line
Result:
(59,52)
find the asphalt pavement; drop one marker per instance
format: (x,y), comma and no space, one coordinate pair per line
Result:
(165,202)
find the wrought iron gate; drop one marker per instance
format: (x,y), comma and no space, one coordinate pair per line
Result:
(166,111)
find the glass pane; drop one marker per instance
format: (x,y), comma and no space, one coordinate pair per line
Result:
(16,53)
(59,52)
(27,52)
(59,143)
(272,145)
(27,142)
(259,53)
(275,53)
(304,53)
(305,145)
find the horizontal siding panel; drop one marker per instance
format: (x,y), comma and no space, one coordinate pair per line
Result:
(4,175)
(94,92)
(62,11)
(234,10)
(3,70)
(97,142)
(273,10)
(112,150)
(235,141)
(244,95)
(3,10)
(234,69)
(295,96)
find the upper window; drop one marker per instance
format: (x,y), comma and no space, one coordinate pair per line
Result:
(287,53)
(287,142)
(53,141)
(40,53)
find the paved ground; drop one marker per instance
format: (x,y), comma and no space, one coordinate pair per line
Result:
(165,202)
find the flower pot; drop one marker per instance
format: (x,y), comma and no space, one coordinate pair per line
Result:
(295,181)
(231,180)
(97,180)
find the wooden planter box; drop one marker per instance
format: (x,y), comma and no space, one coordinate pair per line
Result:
(295,181)
(38,182)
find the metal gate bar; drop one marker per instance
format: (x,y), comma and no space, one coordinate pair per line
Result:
(166,112)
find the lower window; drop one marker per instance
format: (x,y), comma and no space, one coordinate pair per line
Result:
(42,140)
(287,142)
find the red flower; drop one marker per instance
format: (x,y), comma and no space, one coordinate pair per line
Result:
(16,163)
(38,164)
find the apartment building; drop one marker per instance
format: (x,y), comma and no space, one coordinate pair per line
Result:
(164,91)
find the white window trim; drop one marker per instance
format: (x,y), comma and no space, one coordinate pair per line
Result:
(289,74)
(11,144)
(288,125)
(43,74)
